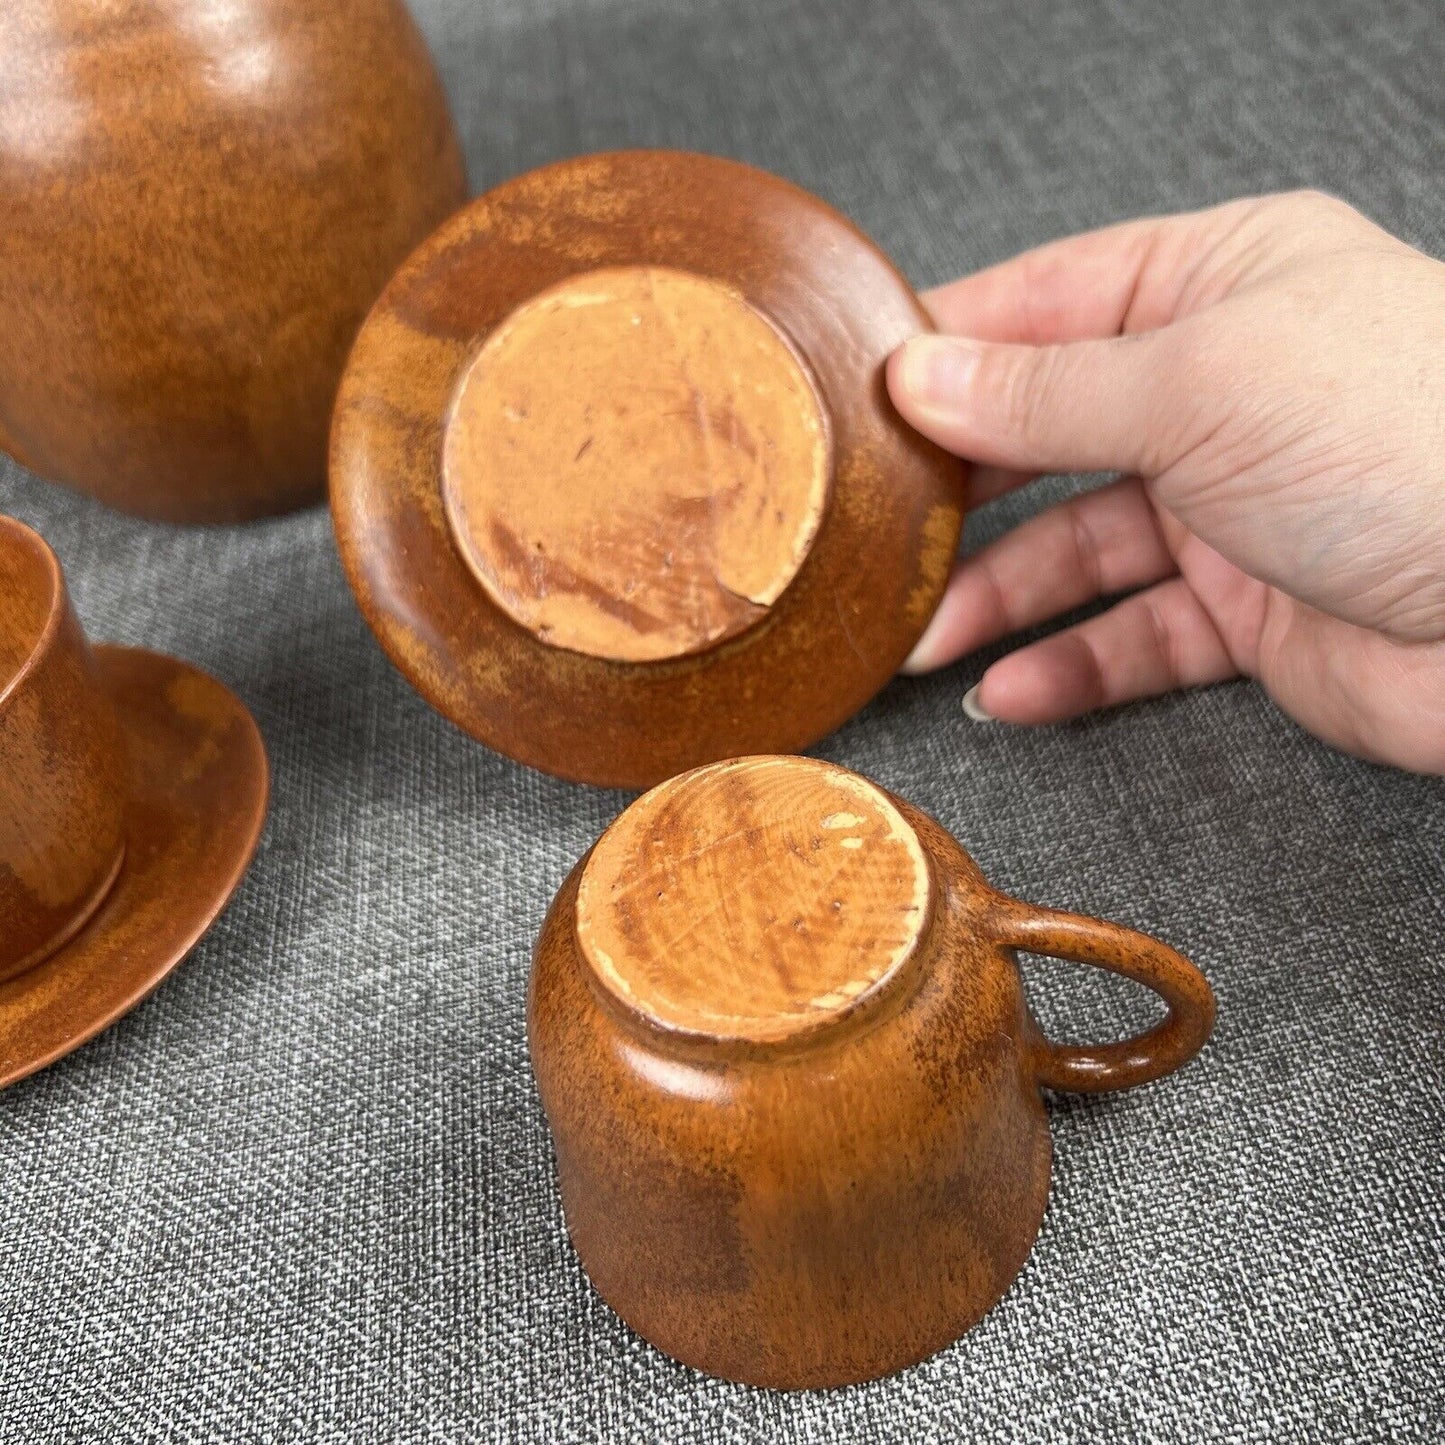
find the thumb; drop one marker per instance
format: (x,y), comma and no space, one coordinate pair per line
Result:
(1087,406)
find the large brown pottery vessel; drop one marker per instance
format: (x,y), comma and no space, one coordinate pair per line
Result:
(780,1036)
(200,202)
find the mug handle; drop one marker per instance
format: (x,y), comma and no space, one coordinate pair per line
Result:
(1102,1068)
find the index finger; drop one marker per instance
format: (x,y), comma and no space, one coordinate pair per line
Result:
(1123,278)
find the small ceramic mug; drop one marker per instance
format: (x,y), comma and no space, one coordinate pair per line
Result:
(62,790)
(781,1039)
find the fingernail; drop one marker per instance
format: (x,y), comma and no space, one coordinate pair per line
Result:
(937,370)
(973,709)
(923,658)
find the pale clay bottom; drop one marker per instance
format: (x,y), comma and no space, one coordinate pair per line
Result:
(636,464)
(753,898)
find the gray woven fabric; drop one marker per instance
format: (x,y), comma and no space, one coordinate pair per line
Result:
(305,1193)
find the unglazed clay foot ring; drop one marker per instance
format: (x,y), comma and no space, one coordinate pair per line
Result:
(636,464)
(827,895)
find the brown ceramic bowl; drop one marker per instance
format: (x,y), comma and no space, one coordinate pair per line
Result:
(132,794)
(779,1033)
(200,203)
(614,473)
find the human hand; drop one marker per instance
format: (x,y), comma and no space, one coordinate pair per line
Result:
(1270,377)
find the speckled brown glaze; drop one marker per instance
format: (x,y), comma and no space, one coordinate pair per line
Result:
(834,1199)
(771,676)
(148,772)
(200,203)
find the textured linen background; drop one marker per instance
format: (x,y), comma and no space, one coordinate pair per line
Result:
(305,1193)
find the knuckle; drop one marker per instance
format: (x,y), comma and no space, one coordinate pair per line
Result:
(1194,385)
(997,599)
(1162,641)
(1088,553)
(1026,386)
(1318,208)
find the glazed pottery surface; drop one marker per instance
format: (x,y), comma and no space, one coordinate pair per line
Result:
(782,1043)
(132,794)
(62,762)
(614,473)
(201,201)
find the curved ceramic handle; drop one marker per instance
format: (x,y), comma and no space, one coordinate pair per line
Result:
(1100,1068)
